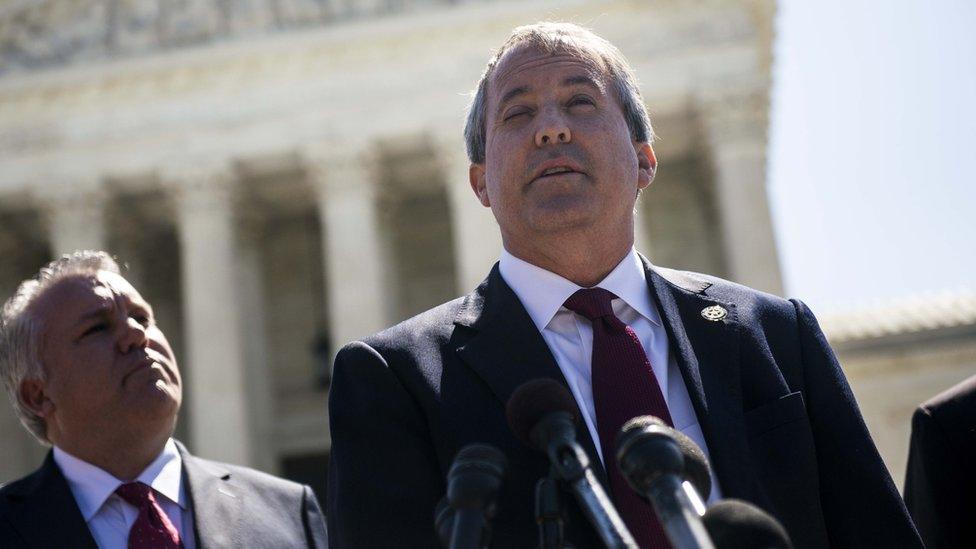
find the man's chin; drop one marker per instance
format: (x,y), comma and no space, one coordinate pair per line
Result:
(158,397)
(562,216)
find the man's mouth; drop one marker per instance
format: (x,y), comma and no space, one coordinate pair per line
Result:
(556,168)
(146,363)
(560,169)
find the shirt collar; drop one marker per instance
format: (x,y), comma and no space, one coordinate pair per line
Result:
(92,485)
(543,292)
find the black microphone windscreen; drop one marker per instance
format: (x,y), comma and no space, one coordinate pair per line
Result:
(736,524)
(696,468)
(481,453)
(480,459)
(532,401)
(475,477)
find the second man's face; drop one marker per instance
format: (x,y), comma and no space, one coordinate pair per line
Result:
(109,369)
(559,154)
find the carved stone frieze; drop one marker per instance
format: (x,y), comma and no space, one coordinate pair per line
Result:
(46,33)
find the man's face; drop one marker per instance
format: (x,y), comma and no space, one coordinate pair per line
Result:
(110,371)
(559,155)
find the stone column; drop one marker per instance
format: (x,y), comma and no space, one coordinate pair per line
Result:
(477,240)
(75,215)
(352,249)
(214,375)
(259,385)
(736,124)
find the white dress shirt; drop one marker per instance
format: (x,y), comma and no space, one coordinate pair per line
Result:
(109,517)
(570,336)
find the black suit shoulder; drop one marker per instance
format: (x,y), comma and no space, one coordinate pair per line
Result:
(939,482)
(39,510)
(17,487)
(12,493)
(954,409)
(431,327)
(750,303)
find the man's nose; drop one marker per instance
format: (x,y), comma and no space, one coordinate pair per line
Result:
(553,129)
(133,336)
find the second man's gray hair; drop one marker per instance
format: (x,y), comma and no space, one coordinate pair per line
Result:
(20,341)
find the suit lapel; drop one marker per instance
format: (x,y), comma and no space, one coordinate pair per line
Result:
(707,353)
(507,349)
(48,515)
(215,501)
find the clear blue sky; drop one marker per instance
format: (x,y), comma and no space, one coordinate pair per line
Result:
(872,158)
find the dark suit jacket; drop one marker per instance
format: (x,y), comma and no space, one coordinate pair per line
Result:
(940,484)
(781,423)
(232,507)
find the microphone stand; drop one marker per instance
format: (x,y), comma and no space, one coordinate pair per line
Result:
(548,512)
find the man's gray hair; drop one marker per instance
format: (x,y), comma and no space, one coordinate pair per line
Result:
(20,333)
(554,38)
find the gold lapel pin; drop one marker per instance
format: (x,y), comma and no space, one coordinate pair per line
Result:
(714,313)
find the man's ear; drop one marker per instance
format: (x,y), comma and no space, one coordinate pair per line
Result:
(33,396)
(476,176)
(646,165)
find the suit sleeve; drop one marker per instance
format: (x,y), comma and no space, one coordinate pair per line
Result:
(313,519)
(384,480)
(936,488)
(861,505)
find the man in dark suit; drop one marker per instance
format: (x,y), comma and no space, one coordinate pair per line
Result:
(559,141)
(940,481)
(90,372)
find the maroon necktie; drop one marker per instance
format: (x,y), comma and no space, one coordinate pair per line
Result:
(152,529)
(624,387)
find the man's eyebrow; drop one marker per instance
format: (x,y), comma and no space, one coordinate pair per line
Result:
(582,79)
(146,307)
(95,312)
(512,94)
(139,304)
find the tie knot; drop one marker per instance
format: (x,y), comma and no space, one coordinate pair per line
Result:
(136,493)
(593,303)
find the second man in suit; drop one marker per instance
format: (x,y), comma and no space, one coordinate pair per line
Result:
(90,373)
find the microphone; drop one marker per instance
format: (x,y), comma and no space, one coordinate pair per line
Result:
(651,460)
(548,513)
(735,524)
(697,472)
(543,415)
(472,483)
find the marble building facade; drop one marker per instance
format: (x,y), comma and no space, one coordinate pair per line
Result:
(282,177)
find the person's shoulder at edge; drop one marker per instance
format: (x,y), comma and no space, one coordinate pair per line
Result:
(958,399)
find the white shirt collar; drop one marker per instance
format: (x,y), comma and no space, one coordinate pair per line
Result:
(92,485)
(543,292)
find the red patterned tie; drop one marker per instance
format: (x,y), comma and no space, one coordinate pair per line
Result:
(152,529)
(624,386)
